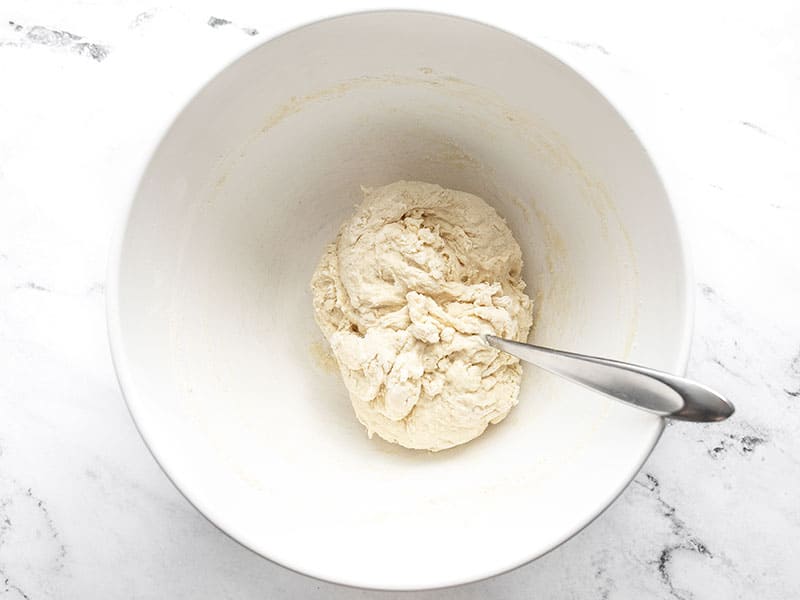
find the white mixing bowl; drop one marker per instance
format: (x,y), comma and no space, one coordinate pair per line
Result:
(211,322)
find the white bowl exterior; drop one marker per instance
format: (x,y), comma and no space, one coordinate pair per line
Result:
(210,311)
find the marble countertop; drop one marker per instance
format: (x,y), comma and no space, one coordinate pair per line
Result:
(714,90)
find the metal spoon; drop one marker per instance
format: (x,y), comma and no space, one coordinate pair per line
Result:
(655,391)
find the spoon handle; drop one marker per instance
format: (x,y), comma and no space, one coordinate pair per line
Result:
(656,391)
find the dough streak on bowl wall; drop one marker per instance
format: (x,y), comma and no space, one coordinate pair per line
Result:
(402,296)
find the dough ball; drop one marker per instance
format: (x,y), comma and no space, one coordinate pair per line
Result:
(402,295)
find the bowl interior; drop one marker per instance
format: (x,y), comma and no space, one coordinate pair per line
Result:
(210,312)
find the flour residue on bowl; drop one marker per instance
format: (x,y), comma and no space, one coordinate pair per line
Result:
(323,357)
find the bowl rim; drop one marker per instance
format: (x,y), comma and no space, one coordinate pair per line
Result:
(124,378)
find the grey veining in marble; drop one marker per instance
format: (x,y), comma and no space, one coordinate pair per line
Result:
(38,34)
(85,512)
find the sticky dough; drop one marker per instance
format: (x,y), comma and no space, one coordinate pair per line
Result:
(402,294)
